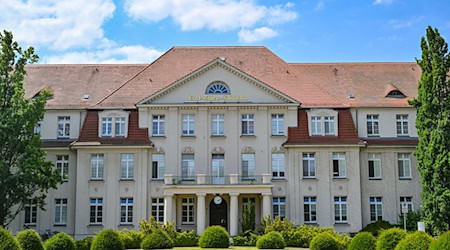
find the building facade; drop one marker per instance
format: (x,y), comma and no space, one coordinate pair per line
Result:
(194,136)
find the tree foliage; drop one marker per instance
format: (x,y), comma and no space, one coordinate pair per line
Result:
(433,128)
(24,172)
(248,217)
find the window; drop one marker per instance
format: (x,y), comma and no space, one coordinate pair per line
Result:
(37,129)
(372,125)
(309,165)
(127,166)
(309,206)
(62,165)
(340,209)
(248,166)
(404,166)
(60,211)
(339,168)
(217,88)
(30,213)
(158,209)
(248,123)
(316,126)
(277,125)
(188,126)
(119,126)
(376,209)
(402,125)
(187,166)
(217,125)
(329,125)
(126,210)
(107,126)
(158,125)
(187,211)
(97,166)
(374,166)
(158,164)
(96,214)
(278,165)
(63,126)
(113,123)
(408,201)
(279,207)
(247,201)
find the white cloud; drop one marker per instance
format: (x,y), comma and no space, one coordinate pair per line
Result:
(400,24)
(256,35)
(319,6)
(383,2)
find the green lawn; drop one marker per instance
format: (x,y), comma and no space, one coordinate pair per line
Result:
(237,248)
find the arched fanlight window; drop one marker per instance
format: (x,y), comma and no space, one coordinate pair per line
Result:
(217,88)
(395,94)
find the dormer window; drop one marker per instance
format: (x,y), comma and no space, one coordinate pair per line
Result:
(322,122)
(217,88)
(395,94)
(113,124)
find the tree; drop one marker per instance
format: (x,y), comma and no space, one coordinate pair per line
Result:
(24,172)
(433,128)
(248,217)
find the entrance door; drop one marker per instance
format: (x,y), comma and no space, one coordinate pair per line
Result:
(218,169)
(218,212)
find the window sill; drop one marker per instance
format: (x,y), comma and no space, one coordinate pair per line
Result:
(126,225)
(218,136)
(60,225)
(402,135)
(373,136)
(405,178)
(127,180)
(375,179)
(188,136)
(310,178)
(279,179)
(248,136)
(340,178)
(96,180)
(279,136)
(95,225)
(311,223)
(188,223)
(157,179)
(344,224)
(158,136)
(30,225)
(63,138)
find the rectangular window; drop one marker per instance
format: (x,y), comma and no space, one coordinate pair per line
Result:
(279,207)
(96,213)
(402,125)
(339,165)
(248,166)
(329,125)
(376,209)
(37,129)
(374,166)
(106,126)
(127,166)
(309,165)
(63,126)
(62,165)
(404,166)
(187,166)
(188,125)
(126,210)
(217,125)
(248,124)
(340,209)
(158,209)
(187,211)
(372,125)
(119,129)
(277,125)
(97,166)
(278,165)
(158,164)
(30,213)
(60,211)
(316,125)
(309,206)
(407,200)
(246,201)
(158,125)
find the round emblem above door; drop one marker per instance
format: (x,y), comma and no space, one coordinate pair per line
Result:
(217,200)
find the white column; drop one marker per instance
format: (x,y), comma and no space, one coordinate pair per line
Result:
(201,213)
(168,208)
(234,217)
(266,204)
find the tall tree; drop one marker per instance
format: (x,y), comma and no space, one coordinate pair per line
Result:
(24,172)
(433,128)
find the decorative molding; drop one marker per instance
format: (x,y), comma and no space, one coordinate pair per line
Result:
(218,150)
(188,150)
(160,150)
(277,149)
(248,150)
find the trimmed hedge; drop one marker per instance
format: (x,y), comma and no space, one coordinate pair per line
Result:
(376,227)
(214,237)
(415,241)
(303,235)
(7,240)
(388,239)
(60,241)
(29,240)
(363,241)
(84,244)
(272,240)
(131,239)
(442,242)
(324,241)
(107,240)
(186,239)
(246,240)
(159,239)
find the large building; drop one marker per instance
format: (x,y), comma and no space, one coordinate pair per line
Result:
(201,131)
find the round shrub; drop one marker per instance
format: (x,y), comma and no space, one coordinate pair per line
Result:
(84,244)
(324,241)
(60,241)
(443,242)
(186,239)
(107,240)
(388,239)
(29,240)
(363,241)
(131,239)
(7,240)
(214,237)
(272,240)
(376,227)
(415,241)
(157,240)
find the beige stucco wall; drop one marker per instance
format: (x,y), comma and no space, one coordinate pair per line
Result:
(49,125)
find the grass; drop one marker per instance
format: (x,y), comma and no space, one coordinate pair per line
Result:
(232,247)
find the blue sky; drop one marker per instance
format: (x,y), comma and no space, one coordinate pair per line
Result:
(138,31)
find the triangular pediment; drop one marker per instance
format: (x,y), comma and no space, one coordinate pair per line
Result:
(218,82)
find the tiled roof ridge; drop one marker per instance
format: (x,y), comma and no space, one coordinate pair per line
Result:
(83,64)
(351,63)
(219,46)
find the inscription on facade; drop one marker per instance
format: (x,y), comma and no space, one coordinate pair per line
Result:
(212,98)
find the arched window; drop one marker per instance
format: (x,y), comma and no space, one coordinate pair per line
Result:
(217,88)
(395,94)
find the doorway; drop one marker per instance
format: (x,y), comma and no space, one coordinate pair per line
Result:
(218,212)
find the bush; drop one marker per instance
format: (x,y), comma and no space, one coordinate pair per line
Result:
(248,239)
(388,239)
(107,240)
(343,241)
(272,240)
(186,239)
(157,240)
(214,237)
(412,217)
(376,227)
(60,241)
(84,244)
(415,241)
(363,241)
(443,242)
(29,240)
(324,241)
(7,240)
(302,236)
(131,239)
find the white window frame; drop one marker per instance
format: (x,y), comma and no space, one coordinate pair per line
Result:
(158,162)
(61,211)
(248,160)
(97,166)
(96,211)
(63,126)
(309,165)
(373,125)
(310,209)
(404,162)
(402,125)
(158,125)
(340,158)
(277,124)
(62,165)
(127,166)
(126,210)
(279,207)
(248,124)
(320,120)
(31,209)
(278,166)
(218,125)
(107,126)
(120,126)
(189,164)
(116,122)
(375,158)
(188,208)
(316,125)
(188,125)
(329,124)
(376,208)
(158,209)
(340,209)
(408,201)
